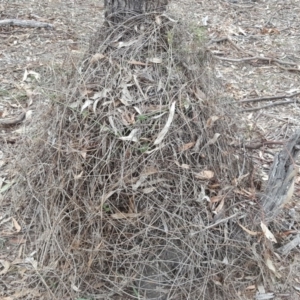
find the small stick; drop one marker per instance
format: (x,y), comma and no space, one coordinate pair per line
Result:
(217,223)
(269,98)
(269,105)
(258,145)
(287,69)
(13,121)
(269,59)
(25,23)
(224,39)
(289,121)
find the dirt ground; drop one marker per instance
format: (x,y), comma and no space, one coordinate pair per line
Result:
(267,31)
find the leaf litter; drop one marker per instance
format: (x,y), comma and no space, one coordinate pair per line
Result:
(116,191)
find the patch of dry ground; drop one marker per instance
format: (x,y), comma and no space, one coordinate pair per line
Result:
(252,28)
(48,54)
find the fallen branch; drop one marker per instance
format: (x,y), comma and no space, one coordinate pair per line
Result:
(12,121)
(287,69)
(286,249)
(269,105)
(258,99)
(220,40)
(268,59)
(25,23)
(259,145)
(9,140)
(280,186)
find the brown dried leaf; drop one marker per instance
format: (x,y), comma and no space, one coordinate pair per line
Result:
(205,175)
(216,199)
(148,190)
(83,153)
(155,60)
(120,215)
(96,57)
(17,240)
(158,20)
(164,131)
(132,207)
(183,166)
(150,171)
(29,94)
(213,140)
(271,267)
(78,176)
(101,95)
(123,44)
(106,197)
(270,31)
(16,225)
(186,146)
(219,208)
(128,118)
(139,63)
(36,75)
(287,233)
(214,186)
(5,265)
(131,137)
(86,104)
(75,288)
(253,233)
(243,192)
(210,122)
(199,94)
(126,96)
(268,234)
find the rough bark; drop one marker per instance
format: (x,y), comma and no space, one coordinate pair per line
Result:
(127,7)
(280,186)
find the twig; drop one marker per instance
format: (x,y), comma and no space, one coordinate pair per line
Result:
(258,145)
(269,105)
(233,44)
(25,23)
(223,39)
(287,69)
(277,62)
(269,98)
(227,38)
(269,59)
(217,223)
(289,121)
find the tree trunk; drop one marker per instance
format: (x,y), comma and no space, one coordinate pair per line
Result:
(127,7)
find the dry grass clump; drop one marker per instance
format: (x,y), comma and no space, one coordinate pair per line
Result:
(117,186)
